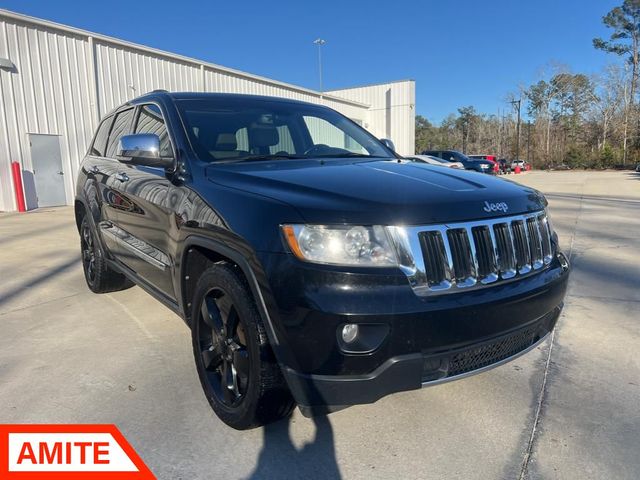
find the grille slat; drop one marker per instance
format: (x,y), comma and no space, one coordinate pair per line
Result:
(463,261)
(543,227)
(506,251)
(485,254)
(480,253)
(521,244)
(435,258)
(535,243)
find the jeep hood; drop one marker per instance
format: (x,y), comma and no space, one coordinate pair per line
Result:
(382,192)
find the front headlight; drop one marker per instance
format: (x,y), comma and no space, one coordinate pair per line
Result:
(341,244)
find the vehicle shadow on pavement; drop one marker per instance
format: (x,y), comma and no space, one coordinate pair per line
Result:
(279,458)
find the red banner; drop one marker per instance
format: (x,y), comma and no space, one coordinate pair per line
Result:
(87,452)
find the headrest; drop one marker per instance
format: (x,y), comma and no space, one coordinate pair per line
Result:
(263,136)
(226,142)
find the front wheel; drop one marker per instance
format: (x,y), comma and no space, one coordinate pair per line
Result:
(238,372)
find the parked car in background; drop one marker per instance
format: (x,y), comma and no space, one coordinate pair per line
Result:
(491,158)
(483,166)
(638,168)
(504,166)
(518,163)
(435,161)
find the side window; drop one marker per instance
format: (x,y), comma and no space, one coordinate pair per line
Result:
(99,144)
(150,121)
(120,127)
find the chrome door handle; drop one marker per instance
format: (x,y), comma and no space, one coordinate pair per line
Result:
(60,173)
(123,177)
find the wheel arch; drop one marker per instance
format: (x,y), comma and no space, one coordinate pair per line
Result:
(209,250)
(80,210)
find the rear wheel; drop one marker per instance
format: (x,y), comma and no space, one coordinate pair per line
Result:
(238,372)
(99,277)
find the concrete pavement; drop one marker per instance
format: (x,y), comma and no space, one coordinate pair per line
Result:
(564,411)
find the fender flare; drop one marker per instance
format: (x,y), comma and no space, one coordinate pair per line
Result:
(282,353)
(92,223)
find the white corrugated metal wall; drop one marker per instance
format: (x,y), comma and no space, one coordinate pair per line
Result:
(65,79)
(391,113)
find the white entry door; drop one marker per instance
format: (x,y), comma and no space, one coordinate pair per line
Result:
(46,162)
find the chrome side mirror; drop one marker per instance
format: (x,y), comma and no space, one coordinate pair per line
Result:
(388,143)
(142,149)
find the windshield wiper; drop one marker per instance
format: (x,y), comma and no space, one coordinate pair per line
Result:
(274,156)
(348,155)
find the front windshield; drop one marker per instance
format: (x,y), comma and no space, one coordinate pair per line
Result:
(245,129)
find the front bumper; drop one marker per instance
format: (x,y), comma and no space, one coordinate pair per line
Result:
(323,393)
(430,340)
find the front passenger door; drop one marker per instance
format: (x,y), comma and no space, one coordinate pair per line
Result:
(147,222)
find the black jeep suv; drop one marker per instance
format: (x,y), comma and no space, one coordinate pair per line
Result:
(312,264)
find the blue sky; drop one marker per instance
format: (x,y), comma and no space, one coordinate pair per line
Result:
(459,52)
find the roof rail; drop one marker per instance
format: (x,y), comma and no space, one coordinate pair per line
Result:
(159,90)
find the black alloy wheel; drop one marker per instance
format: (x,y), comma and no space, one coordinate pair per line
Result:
(88,249)
(223,347)
(237,368)
(99,276)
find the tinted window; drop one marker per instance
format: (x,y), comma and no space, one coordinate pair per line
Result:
(100,140)
(150,121)
(120,127)
(243,129)
(325,133)
(284,145)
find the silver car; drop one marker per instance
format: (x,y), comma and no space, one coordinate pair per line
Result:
(431,160)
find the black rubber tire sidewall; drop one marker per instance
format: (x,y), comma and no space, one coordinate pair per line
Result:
(265,379)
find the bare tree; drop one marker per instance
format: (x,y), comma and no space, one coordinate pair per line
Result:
(624,41)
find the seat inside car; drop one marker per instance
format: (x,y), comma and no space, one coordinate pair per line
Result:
(225,146)
(261,137)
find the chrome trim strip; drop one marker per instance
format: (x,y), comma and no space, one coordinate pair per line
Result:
(514,257)
(411,260)
(539,262)
(127,241)
(474,256)
(547,258)
(529,266)
(430,383)
(495,275)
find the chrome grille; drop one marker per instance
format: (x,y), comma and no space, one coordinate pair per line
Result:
(447,258)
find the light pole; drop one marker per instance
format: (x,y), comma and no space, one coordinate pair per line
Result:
(516,103)
(320,42)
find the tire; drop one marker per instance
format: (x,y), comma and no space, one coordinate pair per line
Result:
(99,277)
(236,366)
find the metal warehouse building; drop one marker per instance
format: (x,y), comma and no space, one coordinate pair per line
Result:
(56,82)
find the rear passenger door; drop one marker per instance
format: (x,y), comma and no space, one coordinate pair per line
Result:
(145,225)
(100,188)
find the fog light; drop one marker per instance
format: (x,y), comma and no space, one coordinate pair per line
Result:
(349,332)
